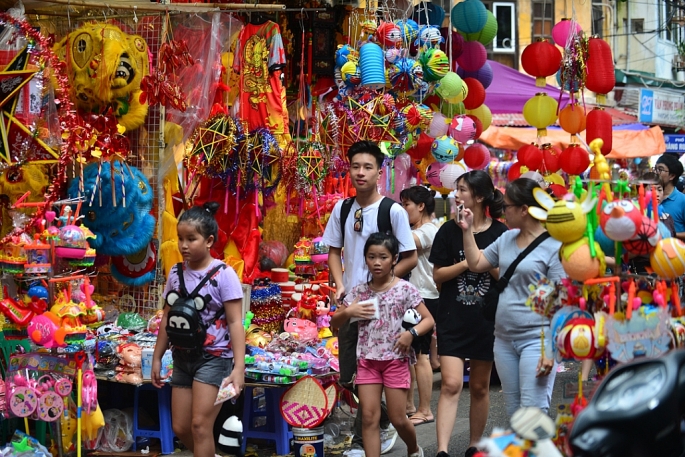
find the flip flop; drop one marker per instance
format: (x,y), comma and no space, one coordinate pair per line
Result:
(410,413)
(420,420)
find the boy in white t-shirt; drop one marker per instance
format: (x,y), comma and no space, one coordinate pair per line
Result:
(366,161)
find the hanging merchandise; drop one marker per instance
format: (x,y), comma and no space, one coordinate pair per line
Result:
(599,125)
(541,59)
(600,69)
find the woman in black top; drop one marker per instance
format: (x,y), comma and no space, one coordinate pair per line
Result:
(462,331)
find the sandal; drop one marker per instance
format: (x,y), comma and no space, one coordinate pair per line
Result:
(420,419)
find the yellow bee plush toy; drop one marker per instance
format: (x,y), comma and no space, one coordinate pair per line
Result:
(105,67)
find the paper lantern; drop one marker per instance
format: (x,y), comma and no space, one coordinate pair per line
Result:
(572,118)
(668,258)
(460,154)
(540,112)
(444,149)
(479,126)
(450,109)
(620,219)
(541,59)
(563,31)
(531,156)
(449,175)
(345,53)
(477,156)
(474,56)
(484,74)
(483,113)
(574,159)
(350,74)
(409,30)
(416,116)
(435,64)
(599,125)
(469,16)
(392,55)
(457,43)
(388,34)
(646,238)
(551,158)
(600,69)
(515,171)
(433,173)
(423,145)
(429,37)
(476,95)
(450,85)
(428,13)
(372,65)
(438,126)
(462,128)
(487,33)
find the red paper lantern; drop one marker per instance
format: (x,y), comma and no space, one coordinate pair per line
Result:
(574,159)
(531,156)
(476,156)
(599,125)
(558,190)
(551,158)
(422,147)
(515,171)
(476,95)
(479,126)
(541,59)
(572,118)
(600,69)
(474,56)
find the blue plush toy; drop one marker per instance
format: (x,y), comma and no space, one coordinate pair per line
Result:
(124,229)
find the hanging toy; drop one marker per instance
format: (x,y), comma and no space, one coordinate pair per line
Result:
(388,34)
(429,36)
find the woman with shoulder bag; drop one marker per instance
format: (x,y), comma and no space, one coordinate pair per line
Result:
(462,331)
(527,375)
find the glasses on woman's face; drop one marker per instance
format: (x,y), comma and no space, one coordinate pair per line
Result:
(358,220)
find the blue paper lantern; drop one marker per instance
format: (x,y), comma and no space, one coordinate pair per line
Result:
(372,65)
(445,149)
(483,74)
(426,13)
(469,16)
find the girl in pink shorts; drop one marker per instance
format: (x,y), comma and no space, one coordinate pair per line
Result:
(384,348)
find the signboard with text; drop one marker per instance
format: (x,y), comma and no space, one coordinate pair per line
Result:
(675,142)
(661,107)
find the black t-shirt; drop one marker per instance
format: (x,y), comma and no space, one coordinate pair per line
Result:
(448,249)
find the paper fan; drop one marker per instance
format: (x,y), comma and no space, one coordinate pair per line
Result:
(305,404)
(332,395)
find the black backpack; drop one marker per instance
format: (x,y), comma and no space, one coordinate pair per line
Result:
(184,327)
(383,219)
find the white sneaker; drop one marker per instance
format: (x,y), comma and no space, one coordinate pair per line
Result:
(417,454)
(354,452)
(388,438)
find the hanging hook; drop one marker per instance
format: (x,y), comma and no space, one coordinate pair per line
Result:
(68,13)
(135,16)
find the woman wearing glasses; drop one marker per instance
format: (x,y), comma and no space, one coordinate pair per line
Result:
(527,375)
(462,331)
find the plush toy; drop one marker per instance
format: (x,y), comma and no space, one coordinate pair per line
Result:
(105,67)
(410,319)
(323,319)
(620,220)
(231,437)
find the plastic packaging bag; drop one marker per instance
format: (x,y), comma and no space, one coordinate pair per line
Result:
(117,435)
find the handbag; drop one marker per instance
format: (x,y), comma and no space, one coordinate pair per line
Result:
(491,297)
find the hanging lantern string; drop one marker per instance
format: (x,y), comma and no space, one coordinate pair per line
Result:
(301,101)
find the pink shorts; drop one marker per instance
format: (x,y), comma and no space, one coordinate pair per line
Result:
(393,374)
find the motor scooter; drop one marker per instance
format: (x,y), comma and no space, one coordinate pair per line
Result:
(636,411)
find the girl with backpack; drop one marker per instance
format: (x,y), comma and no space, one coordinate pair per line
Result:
(202,317)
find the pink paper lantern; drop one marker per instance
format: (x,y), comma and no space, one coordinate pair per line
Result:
(462,128)
(438,126)
(477,156)
(474,56)
(563,30)
(433,173)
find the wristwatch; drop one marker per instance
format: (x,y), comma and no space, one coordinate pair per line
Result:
(413,332)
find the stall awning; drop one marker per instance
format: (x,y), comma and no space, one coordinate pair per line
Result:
(626,143)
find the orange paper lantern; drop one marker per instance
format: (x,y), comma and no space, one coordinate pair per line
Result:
(599,125)
(541,59)
(572,118)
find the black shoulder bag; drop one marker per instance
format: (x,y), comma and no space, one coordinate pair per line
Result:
(491,297)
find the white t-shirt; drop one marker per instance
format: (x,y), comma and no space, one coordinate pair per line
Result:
(422,274)
(355,270)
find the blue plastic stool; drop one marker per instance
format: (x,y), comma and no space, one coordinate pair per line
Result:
(165,433)
(276,428)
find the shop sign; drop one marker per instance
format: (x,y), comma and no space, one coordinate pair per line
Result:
(661,107)
(674,142)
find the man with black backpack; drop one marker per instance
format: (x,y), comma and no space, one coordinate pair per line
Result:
(352,221)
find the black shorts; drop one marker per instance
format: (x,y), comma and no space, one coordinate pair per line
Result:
(422,344)
(199,366)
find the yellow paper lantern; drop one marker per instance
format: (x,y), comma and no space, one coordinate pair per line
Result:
(540,112)
(483,113)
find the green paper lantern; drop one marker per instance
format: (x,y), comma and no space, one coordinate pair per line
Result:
(469,16)
(487,34)
(452,109)
(435,64)
(450,85)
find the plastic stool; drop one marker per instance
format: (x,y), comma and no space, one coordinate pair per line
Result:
(165,433)
(276,428)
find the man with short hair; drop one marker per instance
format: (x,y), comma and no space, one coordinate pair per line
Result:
(366,161)
(669,169)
